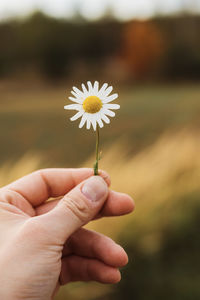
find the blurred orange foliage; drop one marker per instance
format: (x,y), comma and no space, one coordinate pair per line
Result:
(142,47)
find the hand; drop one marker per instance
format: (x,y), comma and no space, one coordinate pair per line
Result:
(43,244)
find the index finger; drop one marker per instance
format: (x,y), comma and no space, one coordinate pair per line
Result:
(43,184)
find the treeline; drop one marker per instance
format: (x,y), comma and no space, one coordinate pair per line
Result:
(165,48)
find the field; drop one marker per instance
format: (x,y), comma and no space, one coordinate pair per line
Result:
(151,150)
(33,119)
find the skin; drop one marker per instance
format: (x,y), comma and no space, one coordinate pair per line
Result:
(43,244)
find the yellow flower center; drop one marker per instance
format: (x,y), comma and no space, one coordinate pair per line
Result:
(92,104)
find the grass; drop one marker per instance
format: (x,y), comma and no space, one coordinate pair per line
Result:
(32,118)
(151,151)
(163,180)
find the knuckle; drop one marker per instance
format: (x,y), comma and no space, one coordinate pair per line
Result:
(40,170)
(33,229)
(10,201)
(78,207)
(7,195)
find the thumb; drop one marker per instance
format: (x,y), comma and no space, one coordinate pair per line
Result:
(76,208)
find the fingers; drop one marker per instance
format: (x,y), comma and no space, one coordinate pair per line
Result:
(76,208)
(117,204)
(40,185)
(75,268)
(91,244)
(47,206)
(17,201)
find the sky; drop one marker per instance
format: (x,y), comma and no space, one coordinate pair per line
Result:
(94,9)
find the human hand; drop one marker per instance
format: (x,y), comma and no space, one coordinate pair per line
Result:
(43,244)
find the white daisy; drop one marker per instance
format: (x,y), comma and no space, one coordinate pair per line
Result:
(93,104)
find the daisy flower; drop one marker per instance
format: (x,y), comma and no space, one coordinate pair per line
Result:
(93,105)
(94,108)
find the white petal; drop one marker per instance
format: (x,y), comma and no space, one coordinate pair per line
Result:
(96,87)
(111,106)
(103,88)
(108,112)
(78,98)
(77,115)
(78,92)
(85,91)
(74,94)
(73,106)
(89,118)
(94,123)
(105,118)
(110,98)
(83,120)
(100,123)
(108,91)
(75,100)
(90,88)
(88,122)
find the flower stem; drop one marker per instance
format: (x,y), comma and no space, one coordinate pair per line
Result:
(96,165)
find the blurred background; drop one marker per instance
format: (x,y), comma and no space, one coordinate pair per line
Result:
(149,50)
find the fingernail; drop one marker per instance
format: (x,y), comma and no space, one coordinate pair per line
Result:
(94,188)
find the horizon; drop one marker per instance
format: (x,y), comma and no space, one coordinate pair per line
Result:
(122,10)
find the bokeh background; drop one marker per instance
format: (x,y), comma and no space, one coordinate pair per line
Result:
(149,51)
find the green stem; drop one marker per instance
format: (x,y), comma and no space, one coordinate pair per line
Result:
(96,165)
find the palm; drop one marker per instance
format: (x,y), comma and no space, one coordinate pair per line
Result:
(86,255)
